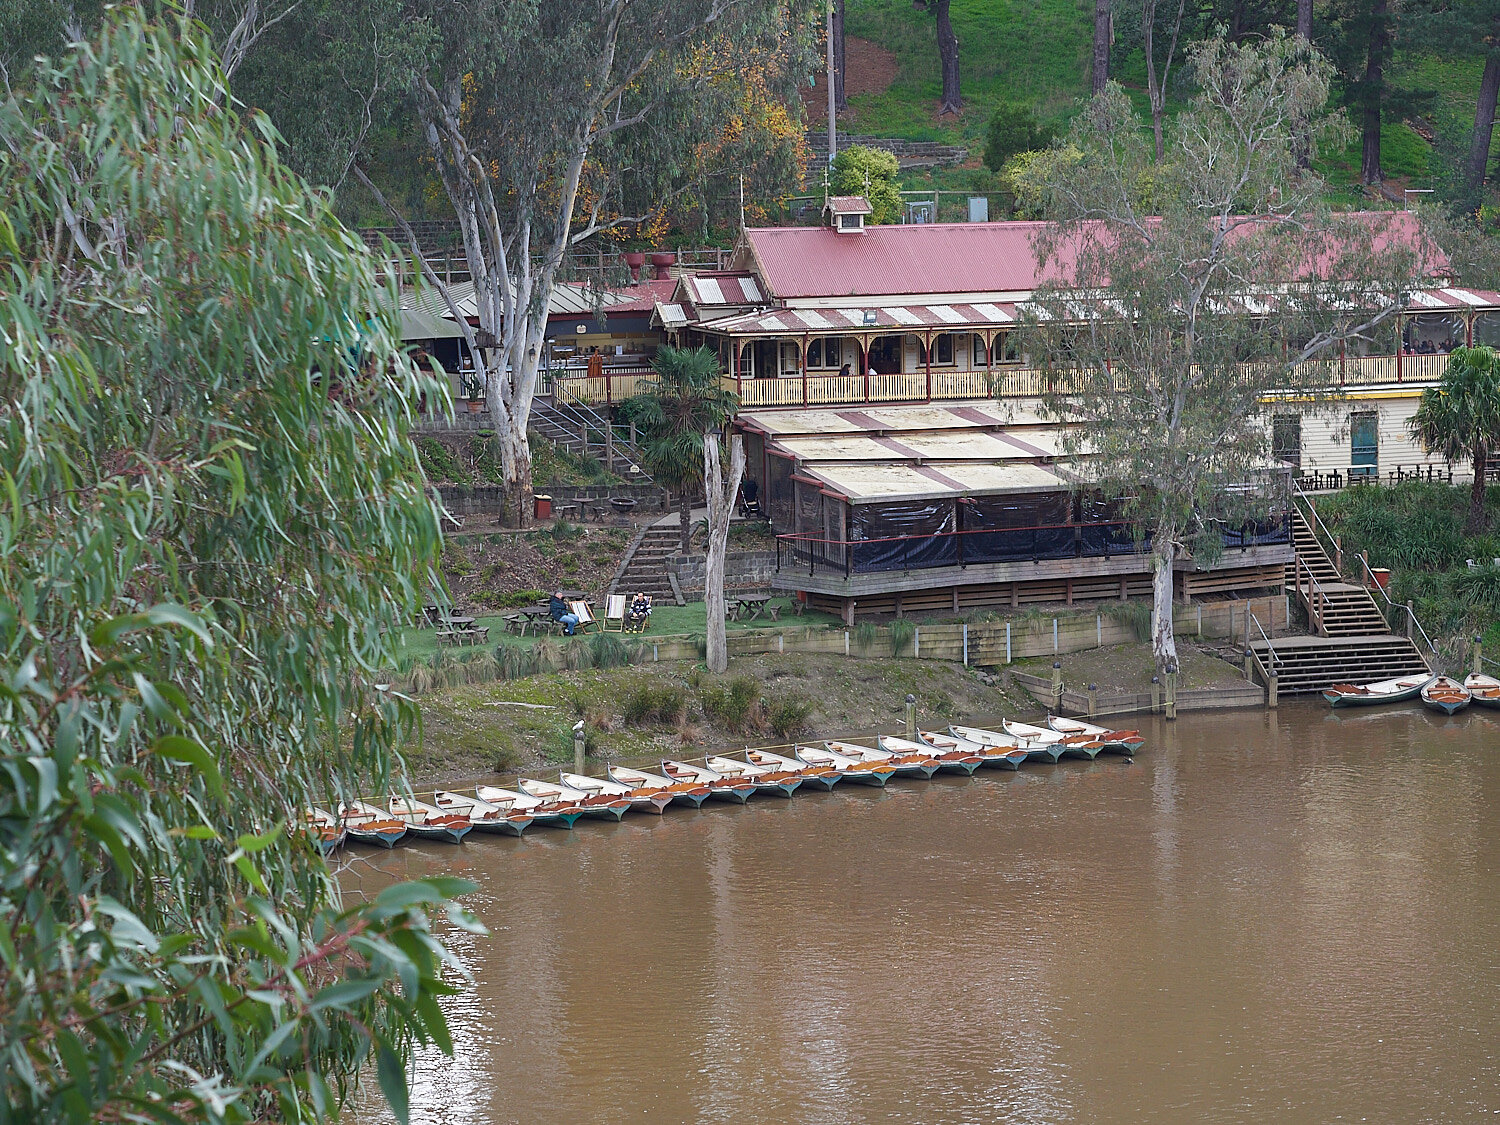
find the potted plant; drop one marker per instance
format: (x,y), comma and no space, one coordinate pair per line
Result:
(472,391)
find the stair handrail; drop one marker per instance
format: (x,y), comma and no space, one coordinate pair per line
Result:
(1318,606)
(570,406)
(1316,524)
(1404,607)
(1270,647)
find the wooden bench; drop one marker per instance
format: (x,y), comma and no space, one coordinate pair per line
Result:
(475,635)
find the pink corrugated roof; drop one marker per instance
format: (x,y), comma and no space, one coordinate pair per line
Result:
(955,317)
(805,262)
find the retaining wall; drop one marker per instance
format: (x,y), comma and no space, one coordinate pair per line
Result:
(489,500)
(743,570)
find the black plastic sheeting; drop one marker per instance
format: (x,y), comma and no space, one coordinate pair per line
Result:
(911,534)
(1255,533)
(1104,529)
(1034,525)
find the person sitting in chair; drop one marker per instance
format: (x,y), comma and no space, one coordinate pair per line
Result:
(639,611)
(558,610)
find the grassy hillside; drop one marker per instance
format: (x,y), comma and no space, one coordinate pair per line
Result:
(1037,52)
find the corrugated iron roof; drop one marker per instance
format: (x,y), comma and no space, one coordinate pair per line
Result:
(862,483)
(797,321)
(670,315)
(706,290)
(982,414)
(849,205)
(569,298)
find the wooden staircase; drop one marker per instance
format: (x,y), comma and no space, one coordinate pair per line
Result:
(645,572)
(1352,641)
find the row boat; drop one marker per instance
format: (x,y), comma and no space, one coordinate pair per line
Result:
(604,806)
(1004,756)
(1035,751)
(326,830)
(1125,741)
(554,814)
(849,768)
(1485,690)
(645,800)
(777,782)
(368,825)
(429,821)
(1441,693)
(1069,745)
(955,759)
(720,787)
(685,792)
(1381,691)
(819,777)
(485,816)
(906,764)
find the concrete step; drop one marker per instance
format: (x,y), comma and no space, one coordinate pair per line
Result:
(1309,664)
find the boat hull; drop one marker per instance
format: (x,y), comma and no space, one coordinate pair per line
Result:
(736,794)
(377,839)
(1445,706)
(557,819)
(1349,699)
(784,788)
(694,799)
(823,781)
(965,766)
(1088,752)
(1492,702)
(1049,753)
(868,777)
(923,769)
(504,825)
(443,833)
(1119,747)
(612,812)
(1009,760)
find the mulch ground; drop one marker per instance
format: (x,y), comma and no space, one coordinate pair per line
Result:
(868,69)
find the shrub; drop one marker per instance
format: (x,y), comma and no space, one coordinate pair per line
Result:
(1013,129)
(902,632)
(865,635)
(577,655)
(516,598)
(870,172)
(730,704)
(788,715)
(664,704)
(610,650)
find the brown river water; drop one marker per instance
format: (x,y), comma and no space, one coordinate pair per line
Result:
(1263,918)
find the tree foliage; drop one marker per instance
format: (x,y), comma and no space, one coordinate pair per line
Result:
(210,520)
(1460,418)
(1185,294)
(870,172)
(685,401)
(1013,129)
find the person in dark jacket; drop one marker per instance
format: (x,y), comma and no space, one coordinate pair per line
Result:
(558,610)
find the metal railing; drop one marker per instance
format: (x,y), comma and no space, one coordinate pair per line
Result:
(1411,623)
(1271,653)
(1316,524)
(1316,597)
(620,439)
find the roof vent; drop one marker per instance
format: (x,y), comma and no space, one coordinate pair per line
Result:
(846,213)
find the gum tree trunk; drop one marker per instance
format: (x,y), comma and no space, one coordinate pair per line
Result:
(840,98)
(1484,124)
(948,55)
(1163,640)
(721,492)
(1103,33)
(1369,164)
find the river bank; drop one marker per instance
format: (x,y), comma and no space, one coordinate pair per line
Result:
(675,708)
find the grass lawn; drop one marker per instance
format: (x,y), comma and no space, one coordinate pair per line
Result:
(666,620)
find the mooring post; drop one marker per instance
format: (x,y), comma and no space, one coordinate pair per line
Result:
(1156,695)
(1249,661)
(1056,686)
(1478,656)
(578,741)
(1271,689)
(1093,700)
(911,716)
(1172,691)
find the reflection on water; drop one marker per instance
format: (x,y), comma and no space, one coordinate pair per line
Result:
(1263,918)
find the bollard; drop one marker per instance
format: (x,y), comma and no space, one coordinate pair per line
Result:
(578,741)
(1093,700)
(1478,656)
(1156,695)
(1172,691)
(911,717)
(1249,663)
(1271,690)
(1057,686)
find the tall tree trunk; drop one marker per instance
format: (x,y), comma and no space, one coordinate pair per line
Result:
(840,98)
(1373,93)
(1157,89)
(948,54)
(1103,33)
(1304,19)
(1484,124)
(1163,640)
(684,521)
(720,492)
(1481,457)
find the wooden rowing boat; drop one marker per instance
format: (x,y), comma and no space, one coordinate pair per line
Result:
(1122,741)
(954,760)
(1485,690)
(907,765)
(1381,691)
(819,777)
(1442,693)
(1068,745)
(368,825)
(1007,755)
(720,788)
(682,792)
(485,816)
(551,814)
(1035,751)
(641,800)
(601,806)
(857,770)
(430,822)
(778,783)
(326,831)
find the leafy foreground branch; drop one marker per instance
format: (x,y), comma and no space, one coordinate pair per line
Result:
(210,518)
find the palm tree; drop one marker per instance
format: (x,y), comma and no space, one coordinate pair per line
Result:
(1460,418)
(685,401)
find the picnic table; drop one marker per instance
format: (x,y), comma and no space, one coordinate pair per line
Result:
(469,635)
(753,605)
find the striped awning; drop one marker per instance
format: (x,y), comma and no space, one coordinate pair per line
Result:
(773,322)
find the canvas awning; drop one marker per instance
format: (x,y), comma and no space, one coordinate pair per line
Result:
(419,325)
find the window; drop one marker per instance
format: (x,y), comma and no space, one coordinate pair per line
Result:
(1006,350)
(851,222)
(1364,444)
(942,350)
(978,357)
(815,354)
(1286,439)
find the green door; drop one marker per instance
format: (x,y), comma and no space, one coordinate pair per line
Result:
(1364,445)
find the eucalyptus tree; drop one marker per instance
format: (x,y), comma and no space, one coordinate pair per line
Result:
(211,521)
(1460,418)
(1184,295)
(545,120)
(721,484)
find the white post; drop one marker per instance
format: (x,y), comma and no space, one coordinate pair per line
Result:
(1054,636)
(966,644)
(846,642)
(1007,642)
(1098,630)
(916,642)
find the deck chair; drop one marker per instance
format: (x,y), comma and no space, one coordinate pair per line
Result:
(614,612)
(585,618)
(639,626)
